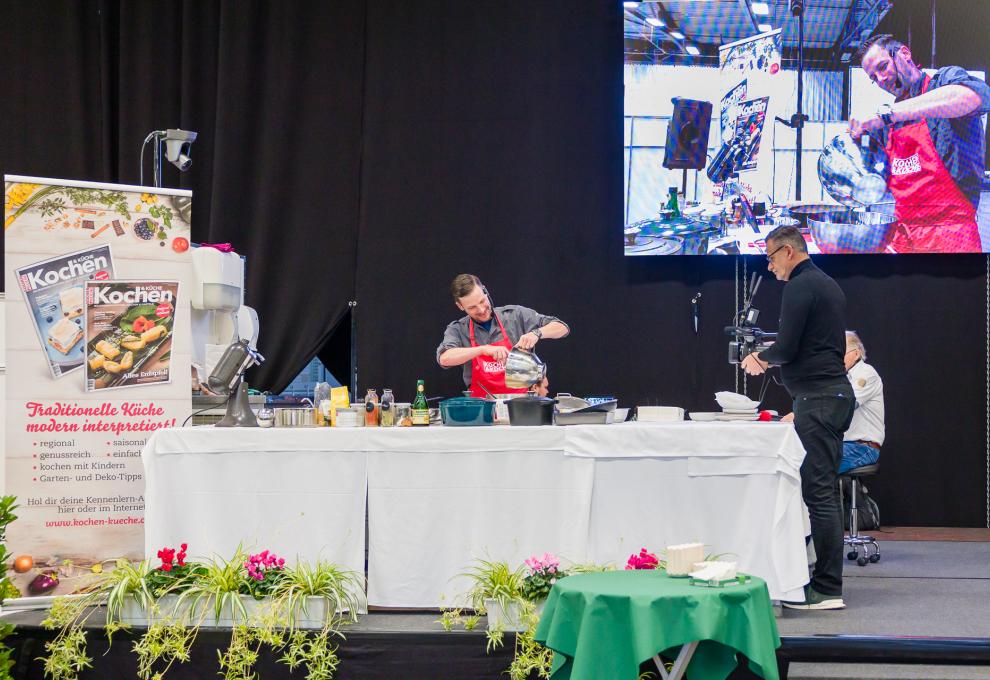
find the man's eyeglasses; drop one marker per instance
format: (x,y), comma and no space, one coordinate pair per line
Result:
(775,251)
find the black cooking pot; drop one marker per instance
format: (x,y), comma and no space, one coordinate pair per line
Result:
(530,410)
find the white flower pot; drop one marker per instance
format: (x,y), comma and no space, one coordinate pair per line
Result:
(134,614)
(508,619)
(313,617)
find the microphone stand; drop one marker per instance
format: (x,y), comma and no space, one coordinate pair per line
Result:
(798,120)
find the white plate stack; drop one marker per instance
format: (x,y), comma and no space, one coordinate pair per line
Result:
(737,406)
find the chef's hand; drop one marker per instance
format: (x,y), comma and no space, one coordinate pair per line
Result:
(789,418)
(753,365)
(496,352)
(857,128)
(527,341)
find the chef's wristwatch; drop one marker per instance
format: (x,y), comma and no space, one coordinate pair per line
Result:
(886,114)
(538,332)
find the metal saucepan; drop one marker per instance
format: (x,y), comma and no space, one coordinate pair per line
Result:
(852,174)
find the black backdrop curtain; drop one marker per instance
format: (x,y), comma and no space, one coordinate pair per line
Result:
(373,149)
(274,91)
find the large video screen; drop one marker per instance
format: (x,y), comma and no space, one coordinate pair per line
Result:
(712,164)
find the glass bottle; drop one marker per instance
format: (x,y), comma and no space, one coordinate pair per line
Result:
(675,210)
(387,408)
(420,409)
(371,408)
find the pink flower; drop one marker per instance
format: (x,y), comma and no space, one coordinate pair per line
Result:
(644,560)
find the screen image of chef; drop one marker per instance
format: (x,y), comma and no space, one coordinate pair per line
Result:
(129,329)
(480,341)
(935,142)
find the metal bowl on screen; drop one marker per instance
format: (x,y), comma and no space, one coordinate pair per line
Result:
(854,231)
(852,174)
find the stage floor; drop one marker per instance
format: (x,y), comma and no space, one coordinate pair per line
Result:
(919,588)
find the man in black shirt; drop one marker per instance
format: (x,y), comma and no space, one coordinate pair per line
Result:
(810,345)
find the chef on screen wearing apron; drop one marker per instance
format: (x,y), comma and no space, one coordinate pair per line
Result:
(934,139)
(480,341)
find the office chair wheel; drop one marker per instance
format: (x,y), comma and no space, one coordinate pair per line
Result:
(874,558)
(862,561)
(852,555)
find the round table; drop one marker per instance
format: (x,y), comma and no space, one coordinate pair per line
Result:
(604,625)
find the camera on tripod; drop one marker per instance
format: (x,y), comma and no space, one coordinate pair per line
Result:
(747,337)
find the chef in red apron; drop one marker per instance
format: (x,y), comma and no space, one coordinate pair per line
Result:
(934,213)
(480,341)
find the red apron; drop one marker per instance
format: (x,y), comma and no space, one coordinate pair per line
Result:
(486,373)
(933,215)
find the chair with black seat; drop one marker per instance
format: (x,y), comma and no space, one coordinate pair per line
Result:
(855,540)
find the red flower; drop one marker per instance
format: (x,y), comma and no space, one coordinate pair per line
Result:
(166,567)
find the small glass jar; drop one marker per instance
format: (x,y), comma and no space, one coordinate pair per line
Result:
(266,416)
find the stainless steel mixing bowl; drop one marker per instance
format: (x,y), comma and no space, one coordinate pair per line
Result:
(852,174)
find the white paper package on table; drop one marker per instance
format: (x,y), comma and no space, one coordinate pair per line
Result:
(682,558)
(714,571)
(659,414)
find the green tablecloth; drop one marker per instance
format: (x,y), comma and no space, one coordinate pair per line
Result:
(603,625)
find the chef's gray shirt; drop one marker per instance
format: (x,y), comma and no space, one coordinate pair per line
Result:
(517,320)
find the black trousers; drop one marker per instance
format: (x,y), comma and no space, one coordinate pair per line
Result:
(821,418)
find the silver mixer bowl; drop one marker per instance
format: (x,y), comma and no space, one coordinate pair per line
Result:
(853,231)
(852,174)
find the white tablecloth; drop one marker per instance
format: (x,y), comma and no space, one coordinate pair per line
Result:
(438,497)
(734,486)
(285,490)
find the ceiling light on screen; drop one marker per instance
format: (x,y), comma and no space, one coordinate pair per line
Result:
(760,9)
(692,50)
(653,21)
(677,35)
(765,28)
(630,5)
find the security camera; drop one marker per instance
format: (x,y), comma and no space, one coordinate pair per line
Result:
(178,145)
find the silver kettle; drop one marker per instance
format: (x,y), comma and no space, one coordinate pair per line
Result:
(523,369)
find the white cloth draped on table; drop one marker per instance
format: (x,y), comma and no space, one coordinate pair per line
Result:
(217,489)
(440,496)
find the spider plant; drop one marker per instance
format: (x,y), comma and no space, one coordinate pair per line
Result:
(493,580)
(336,586)
(216,587)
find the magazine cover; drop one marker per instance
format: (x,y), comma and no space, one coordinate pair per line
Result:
(129,327)
(53,290)
(749,129)
(730,110)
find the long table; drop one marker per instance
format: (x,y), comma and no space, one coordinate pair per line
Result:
(439,497)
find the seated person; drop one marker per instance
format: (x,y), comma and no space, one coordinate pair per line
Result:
(862,441)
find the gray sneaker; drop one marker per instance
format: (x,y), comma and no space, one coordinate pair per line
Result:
(815,600)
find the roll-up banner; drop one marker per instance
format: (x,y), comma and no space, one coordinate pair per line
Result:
(98,349)
(749,71)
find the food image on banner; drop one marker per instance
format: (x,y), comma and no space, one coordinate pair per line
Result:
(749,129)
(53,291)
(129,328)
(73,444)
